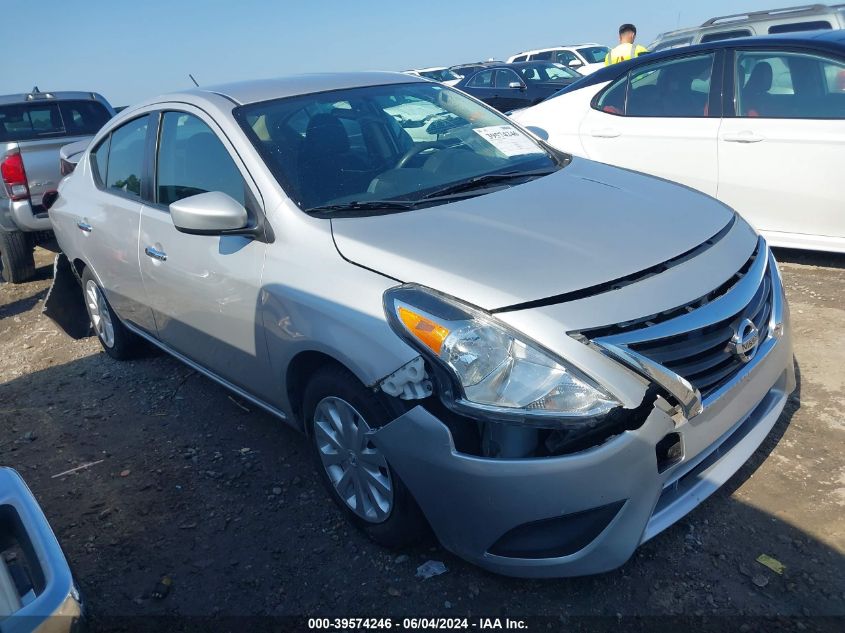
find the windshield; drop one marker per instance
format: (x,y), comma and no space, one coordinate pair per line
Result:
(396,142)
(51,119)
(594,54)
(444,74)
(547,71)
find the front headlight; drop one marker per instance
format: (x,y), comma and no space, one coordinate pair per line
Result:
(496,369)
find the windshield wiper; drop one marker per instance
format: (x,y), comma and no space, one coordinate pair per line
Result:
(362,205)
(480,182)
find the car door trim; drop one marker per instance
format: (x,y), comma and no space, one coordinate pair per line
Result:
(239,391)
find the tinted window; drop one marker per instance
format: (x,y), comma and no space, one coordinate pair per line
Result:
(546,55)
(31,121)
(612,100)
(83,117)
(100,160)
(673,88)
(484,79)
(521,58)
(126,157)
(794,27)
(564,57)
(505,77)
(193,160)
(789,85)
(724,35)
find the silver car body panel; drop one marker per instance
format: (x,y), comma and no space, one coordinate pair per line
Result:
(245,313)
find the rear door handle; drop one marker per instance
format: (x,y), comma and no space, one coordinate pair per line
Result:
(605,132)
(84,226)
(155,254)
(746,136)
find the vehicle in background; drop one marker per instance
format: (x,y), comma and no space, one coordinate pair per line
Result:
(585,58)
(436,73)
(523,350)
(811,17)
(33,127)
(37,589)
(464,69)
(509,87)
(758,123)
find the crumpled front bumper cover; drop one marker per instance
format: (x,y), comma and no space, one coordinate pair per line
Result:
(472,502)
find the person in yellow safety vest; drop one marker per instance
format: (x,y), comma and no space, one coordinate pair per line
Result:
(626,49)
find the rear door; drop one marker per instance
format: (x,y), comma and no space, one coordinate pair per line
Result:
(204,289)
(662,118)
(482,86)
(511,90)
(107,223)
(41,128)
(782,149)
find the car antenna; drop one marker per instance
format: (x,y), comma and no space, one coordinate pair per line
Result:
(194,80)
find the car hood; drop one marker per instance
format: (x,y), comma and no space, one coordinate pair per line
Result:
(584,225)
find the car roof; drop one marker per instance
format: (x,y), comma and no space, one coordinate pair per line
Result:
(556,48)
(244,92)
(48,97)
(831,41)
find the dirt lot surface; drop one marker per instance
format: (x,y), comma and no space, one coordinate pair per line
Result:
(224,500)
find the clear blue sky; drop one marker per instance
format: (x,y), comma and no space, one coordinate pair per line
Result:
(132,49)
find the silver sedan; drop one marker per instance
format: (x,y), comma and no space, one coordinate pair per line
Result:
(544,359)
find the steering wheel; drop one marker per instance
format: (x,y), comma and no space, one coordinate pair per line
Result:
(416,149)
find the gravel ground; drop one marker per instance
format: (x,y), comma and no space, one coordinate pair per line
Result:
(224,500)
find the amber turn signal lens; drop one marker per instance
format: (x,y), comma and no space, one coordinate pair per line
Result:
(428,332)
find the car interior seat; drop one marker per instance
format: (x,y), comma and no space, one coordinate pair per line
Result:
(327,167)
(756,89)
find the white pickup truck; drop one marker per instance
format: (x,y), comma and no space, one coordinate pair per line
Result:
(33,128)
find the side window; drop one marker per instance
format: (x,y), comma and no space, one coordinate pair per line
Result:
(672,88)
(193,160)
(612,100)
(505,77)
(100,159)
(521,58)
(126,157)
(725,35)
(564,57)
(484,79)
(83,117)
(545,55)
(785,85)
(794,27)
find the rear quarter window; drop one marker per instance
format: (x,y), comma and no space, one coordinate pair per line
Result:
(53,119)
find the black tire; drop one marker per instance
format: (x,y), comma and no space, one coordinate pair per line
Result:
(124,345)
(17,261)
(405,523)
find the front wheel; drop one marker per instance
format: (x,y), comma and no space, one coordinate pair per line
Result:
(117,341)
(341,416)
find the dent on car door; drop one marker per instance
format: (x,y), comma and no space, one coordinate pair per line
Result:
(781,154)
(204,289)
(108,226)
(661,118)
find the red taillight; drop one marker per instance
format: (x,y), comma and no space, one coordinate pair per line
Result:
(14,175)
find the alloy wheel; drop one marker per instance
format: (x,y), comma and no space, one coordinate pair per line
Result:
(98,309)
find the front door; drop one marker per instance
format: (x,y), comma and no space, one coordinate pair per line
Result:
(781,156)
(204,289)
(660,119)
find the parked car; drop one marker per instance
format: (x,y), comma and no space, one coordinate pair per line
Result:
(37,589)
(758,123)
(512,86)
(33,127)
(465,69)
(585,58)
(811,17)
(524,350)
(437,73)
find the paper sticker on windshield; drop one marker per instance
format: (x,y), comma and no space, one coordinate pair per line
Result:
(508,140)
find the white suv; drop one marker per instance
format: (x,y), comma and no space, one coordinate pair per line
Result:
(585,58)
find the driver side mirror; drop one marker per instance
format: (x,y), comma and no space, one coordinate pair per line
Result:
(575,63)
(211,213)
(517,84)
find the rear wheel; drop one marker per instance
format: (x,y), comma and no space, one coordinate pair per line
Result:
(117,341)
(341,416)
(17,261)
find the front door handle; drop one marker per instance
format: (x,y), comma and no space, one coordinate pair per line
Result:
(84,226)
(606,132)
(746,136)
(155,254)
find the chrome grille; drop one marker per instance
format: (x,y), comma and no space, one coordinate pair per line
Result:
(694,341)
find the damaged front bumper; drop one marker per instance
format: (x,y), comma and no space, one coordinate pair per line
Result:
(585,513)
